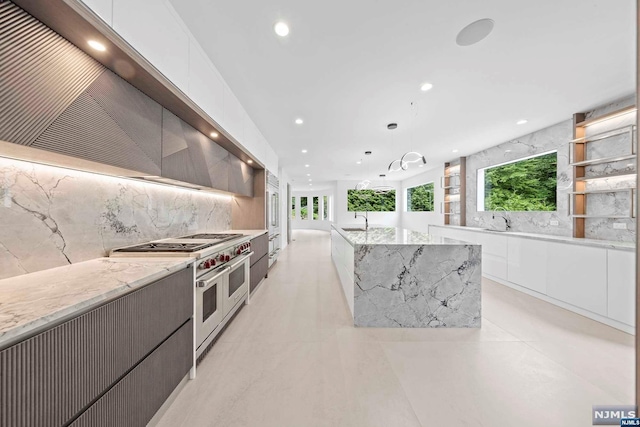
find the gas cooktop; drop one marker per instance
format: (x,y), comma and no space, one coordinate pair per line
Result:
(166,247)
(218,237)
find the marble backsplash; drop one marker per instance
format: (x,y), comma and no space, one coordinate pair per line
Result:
(51,216)
(557,138)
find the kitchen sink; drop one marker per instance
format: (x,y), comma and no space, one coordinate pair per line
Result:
(354,229)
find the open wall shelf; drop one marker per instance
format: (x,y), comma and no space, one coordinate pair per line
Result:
(580,162)
(454,184)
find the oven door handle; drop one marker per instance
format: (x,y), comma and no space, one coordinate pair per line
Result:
(204,284)
(243,259)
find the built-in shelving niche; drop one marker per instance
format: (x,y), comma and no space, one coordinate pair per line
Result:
(453,182)
(604,163)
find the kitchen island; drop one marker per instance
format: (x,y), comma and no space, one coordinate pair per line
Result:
(393,277)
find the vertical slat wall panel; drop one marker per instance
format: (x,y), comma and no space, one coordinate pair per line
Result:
(136,398)
(41,75)
(50,378)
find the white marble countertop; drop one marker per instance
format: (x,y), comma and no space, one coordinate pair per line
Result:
(32,301)
(609,244)
(385,235)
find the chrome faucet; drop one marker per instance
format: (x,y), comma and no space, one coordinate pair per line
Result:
(366,219)
(507,221)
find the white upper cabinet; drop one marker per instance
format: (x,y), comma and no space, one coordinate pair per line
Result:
(102,8)
(150,27)
(206,88)
(233,119)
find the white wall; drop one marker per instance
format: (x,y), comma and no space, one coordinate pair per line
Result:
(310,223)
(157,32)
(344,217)
(420,221)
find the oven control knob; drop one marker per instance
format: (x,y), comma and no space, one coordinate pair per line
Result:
(239,251)
(205,264)
(212,262)
(227,257)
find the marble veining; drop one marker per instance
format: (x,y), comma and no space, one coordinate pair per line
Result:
(558,138)
(31,301)
(417,286)
(53,216)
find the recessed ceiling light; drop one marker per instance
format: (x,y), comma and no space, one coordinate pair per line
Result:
(299,121)
(507,151)
(358,162)
(249,161)
(426,86)
(455,150)
(421,165)
(304,151)
(309,179)
(392,126)
(97,45)
(521,122)
(308,174)
(306,166)
(475,32)
(281,29)
(214,134)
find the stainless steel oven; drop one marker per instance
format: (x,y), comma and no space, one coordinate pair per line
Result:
(237,283)
(209,303)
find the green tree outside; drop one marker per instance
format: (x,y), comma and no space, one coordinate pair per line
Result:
(527,185)
(371,201)
(303,207)
(420,198)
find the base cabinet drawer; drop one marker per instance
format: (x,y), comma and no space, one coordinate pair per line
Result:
(53,376)
(134,400)
(258,272)
(260,247)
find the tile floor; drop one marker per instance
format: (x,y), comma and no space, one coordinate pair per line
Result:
(293,358)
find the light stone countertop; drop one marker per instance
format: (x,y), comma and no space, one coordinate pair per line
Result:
(252,233)
(608,244)
(31,302)
(386,235)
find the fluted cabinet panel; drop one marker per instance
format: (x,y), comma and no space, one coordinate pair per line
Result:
(134,400)
(240,177)
(51,378)
(41,75)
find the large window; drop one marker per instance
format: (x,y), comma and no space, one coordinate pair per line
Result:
(420,198)
(325,207)
(523,185)
(303,208)
(293,208)
(316,201)
(371,201)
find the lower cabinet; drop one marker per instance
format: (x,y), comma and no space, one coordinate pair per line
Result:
(342,254)
(621,280)
(259,260)
(527,264)
(135,399)
(53,378)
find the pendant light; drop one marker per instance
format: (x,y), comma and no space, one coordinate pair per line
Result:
(409,158)
(384,187)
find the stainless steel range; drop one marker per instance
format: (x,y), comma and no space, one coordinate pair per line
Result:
(221,276)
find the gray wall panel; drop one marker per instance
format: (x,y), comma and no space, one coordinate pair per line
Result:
(240,177)
(41,75)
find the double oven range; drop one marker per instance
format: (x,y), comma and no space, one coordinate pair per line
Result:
(221,276)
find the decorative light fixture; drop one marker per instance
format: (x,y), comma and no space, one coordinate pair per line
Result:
(410,157)
(475,32)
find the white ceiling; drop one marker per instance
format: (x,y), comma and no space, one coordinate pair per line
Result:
(350,67)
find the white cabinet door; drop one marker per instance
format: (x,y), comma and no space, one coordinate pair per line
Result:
(577,275)
(150,27)
(621,277)
(233,115)
(102,8)
(527,263)
(206,88)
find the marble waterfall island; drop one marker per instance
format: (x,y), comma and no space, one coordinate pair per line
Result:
(394,277)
